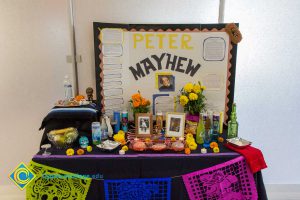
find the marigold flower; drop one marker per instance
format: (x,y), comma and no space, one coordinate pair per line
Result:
(188,87)
(80,151)
(213,145)
(125,148)
(144,102)
(136,97)
(70,152)
(193,96)
(187,151)
(136,104)
(183,100)
(203,87)
(216,150)
(220,139)
(197,88)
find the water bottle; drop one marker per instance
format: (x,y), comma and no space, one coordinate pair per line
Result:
(68,88)
(96,133)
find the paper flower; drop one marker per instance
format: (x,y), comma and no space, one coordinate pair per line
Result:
(183,100)
(216,150)
(193,96)
(188,87)
(89,148)
(80,152)
(213,145)
(70,152)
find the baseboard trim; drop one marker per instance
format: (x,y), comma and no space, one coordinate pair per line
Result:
(274,191)
(283,191)
(11,192)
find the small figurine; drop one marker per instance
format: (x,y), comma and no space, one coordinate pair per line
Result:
(84,142)
(89,93)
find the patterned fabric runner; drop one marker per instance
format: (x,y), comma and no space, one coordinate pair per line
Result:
(231,180)
(133,189)
(52,183)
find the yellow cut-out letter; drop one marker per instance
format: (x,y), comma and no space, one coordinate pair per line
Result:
(149,41)
(160,40)
(172,41)
(137,37)
(185,39)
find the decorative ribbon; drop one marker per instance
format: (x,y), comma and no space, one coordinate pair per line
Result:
(52,183)
(230,180)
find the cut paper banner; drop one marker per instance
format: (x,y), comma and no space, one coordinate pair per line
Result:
(229,180)
(111,36)
(133,189)
(53,183)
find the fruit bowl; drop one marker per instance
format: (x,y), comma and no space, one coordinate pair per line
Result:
(63,138)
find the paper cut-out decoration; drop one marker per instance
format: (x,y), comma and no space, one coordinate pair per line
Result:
(214,49)
(111,36)
(112,66)
(143,188)
(230,180)
(112,50)
(234,33)
(113,92)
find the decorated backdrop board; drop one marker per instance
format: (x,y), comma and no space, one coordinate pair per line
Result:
(158,60)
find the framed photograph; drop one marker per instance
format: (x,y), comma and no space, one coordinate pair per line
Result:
(166,83)
(175,124)
(143,124)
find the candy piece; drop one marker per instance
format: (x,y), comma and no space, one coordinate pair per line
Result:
(89,148)
(80,152)
(70,152)
(173,139)
(203,150)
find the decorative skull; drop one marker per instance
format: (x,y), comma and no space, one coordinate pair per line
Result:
(89,93)
(84,142)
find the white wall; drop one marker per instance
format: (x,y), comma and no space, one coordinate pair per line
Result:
(34,42)
(267,82)
(131,11)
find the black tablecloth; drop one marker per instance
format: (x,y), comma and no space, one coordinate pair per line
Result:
(141,167)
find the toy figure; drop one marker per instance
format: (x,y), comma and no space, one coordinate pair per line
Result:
(89,92)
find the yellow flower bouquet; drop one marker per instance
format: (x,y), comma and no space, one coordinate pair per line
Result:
(139,104)
(192,99)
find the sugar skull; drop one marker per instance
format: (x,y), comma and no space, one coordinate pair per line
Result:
(83,141)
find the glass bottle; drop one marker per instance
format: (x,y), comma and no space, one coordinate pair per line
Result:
(200,130)
(96,133)
(233,124)
(104,129)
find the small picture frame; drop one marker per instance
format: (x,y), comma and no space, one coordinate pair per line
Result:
(175,123)
(166,83)
(143,124)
